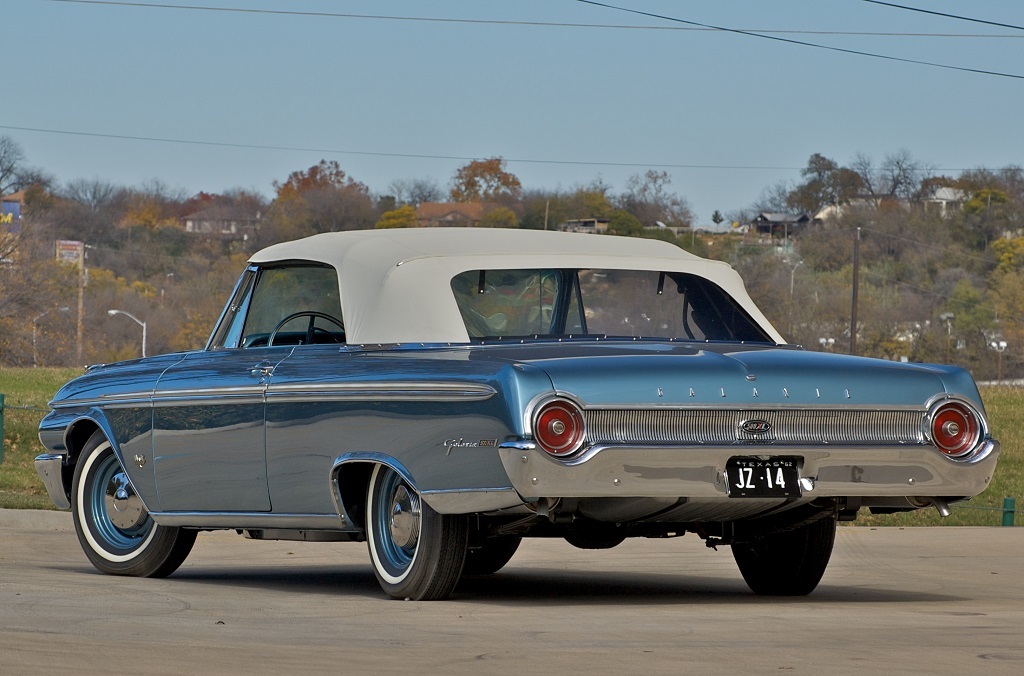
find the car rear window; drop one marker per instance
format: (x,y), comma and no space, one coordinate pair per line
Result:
(500,304)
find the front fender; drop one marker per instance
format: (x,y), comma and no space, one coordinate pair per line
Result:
(65,432)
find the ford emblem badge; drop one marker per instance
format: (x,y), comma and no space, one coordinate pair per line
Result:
(756,426)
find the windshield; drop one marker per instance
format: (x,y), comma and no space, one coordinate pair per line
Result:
(543,303)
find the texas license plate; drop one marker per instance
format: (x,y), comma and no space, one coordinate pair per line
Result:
(763,477)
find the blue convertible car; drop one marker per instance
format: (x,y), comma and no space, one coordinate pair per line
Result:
(443,393)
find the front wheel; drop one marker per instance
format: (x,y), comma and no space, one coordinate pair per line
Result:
(114,528)
(417,553)
(787,563)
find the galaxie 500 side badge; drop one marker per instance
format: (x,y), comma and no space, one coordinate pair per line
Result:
(449,444)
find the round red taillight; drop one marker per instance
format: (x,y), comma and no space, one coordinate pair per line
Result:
(558,427)
(955,428)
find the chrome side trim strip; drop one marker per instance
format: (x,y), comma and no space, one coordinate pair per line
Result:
(377,391)
(253,520)
(129,400)
(209,397)
(358,391)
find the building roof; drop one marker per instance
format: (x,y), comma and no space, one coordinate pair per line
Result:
(435,211)
(223,213)
(775,217)
(395,283)
(947,194)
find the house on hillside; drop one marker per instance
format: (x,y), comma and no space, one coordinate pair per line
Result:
(779,224)
(944,200)
(592,226)
(451,214)
(836,211)
(229,222)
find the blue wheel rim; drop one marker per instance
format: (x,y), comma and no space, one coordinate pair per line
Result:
(113,538)
(394,557)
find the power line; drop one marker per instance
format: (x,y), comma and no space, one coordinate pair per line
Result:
(948,16)
(336,151)
(802,43)
(544,24)
(421,156)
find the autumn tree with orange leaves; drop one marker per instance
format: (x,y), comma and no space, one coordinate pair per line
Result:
(484,181)
(322,198)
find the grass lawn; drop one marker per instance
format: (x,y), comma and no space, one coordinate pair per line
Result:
(28,390)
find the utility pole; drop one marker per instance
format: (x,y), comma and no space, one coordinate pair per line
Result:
(73,252)
(81,303)
(853,308)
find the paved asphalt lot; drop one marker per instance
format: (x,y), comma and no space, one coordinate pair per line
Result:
(914,601)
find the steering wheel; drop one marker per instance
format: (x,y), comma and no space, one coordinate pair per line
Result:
(311,329)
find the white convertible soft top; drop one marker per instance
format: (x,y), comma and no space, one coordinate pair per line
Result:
(396,283)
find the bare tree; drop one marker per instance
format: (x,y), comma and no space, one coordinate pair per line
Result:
(92,193)
(14,175)
(864,167)
(775,198)
(11,157)
(899,175)
(648,199)
(415,191)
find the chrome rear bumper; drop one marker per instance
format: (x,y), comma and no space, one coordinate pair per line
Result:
(699,471)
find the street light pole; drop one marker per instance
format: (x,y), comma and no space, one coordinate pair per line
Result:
(137,321)
(999,347)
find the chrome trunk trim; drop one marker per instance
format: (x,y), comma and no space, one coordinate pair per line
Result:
(690,426)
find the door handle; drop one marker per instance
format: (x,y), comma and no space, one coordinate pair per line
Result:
(262,370)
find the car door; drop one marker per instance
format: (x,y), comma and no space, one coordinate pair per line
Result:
(209,415)
(209,444)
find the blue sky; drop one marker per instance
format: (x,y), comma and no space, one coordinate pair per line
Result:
(733,113)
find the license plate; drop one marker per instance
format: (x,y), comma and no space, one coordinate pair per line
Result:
(763,477)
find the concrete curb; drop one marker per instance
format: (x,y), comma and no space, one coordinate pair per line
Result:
(35,519)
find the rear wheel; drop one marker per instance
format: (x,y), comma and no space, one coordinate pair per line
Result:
(417,553)
(114,528)
(787,563)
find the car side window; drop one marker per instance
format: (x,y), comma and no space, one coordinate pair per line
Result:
(293,305)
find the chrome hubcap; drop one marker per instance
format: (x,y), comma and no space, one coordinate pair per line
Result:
(124,508)
(405,517)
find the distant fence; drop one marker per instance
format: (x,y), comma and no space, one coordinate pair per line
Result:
(1009,510)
